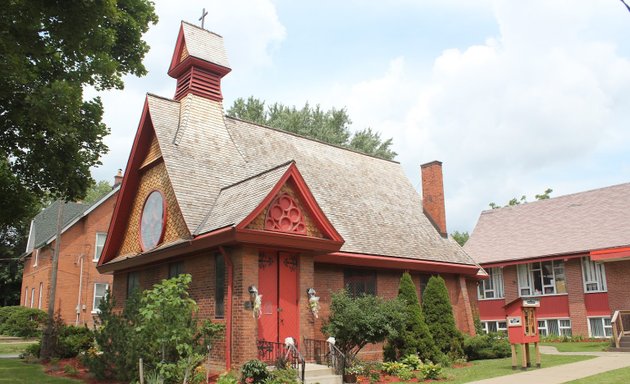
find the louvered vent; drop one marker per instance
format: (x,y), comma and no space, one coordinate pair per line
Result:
(199,82)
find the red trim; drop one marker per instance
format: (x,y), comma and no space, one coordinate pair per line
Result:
(533,260)
(129,187)
(285,240)
(164,218)
(597,304)
(610,254)
(306,198)
(374,261)
(177,68)
(228,315)
(179,46)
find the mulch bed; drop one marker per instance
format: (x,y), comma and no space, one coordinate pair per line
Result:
(82,373)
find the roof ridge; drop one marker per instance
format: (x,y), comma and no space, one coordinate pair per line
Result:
(256,175)
(311,139)
(554,199)
(198,27)
(162,97)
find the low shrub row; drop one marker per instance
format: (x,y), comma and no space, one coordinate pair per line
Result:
(22,321)
(486,346)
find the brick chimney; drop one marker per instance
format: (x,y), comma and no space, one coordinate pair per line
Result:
(433,195)
(118,178)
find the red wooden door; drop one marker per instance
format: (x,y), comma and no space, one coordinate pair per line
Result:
(277,283)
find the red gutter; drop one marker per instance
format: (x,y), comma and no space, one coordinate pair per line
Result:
(611,254)
(228,315)
(357,259)
(532,260)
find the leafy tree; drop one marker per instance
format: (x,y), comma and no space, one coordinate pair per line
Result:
(523,200)
(49,135)
(438,313)
(356,322)
(460,237)
(413,337)
(96,191)
(330,126)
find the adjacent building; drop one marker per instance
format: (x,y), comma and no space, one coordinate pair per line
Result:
(265,220)
(80,287)
(572,252)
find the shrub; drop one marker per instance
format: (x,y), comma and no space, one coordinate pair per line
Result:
(486,346)
(282,376)
(33,350)
(438,313)
(356,322)
(393,367)
(5,312)
(413,336)
(227,378)
(412,361)
(254,371)
(71,370)
(22,321)
(431,371)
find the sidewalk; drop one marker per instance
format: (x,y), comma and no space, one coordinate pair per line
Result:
(606,361)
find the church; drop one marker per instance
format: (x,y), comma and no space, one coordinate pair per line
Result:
(267,221)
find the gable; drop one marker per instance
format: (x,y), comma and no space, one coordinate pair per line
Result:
(266,221)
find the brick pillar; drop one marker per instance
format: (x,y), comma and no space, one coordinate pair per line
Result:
(433,195)
(468,320)
(510,283)
(307,280)
(575,289)
(244,325)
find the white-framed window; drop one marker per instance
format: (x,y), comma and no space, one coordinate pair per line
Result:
(99,293)
(98,246)
(41,288)
(491,288)
(35,257)
(541,278)
(32,297)
(26,297)
(558,327)
(599,327)
(494,326)
(594,275)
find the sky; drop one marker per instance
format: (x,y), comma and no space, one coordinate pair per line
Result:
(514,97)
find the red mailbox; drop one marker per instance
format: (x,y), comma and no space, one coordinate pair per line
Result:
(522,328)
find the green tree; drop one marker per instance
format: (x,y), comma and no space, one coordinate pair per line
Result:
(413,337)
(331,126)
(438,313)
(523,200)
(49,135)
(460,237)
(96,191)
(356,322)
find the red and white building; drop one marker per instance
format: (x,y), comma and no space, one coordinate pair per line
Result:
(572,252)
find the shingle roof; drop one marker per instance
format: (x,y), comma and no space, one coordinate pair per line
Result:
(567,224)
(369,201)
(44,226)
(205,45)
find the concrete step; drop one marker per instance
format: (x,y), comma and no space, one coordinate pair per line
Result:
(330,379)
(317,373)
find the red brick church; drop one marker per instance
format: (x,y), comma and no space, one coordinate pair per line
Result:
(245,208)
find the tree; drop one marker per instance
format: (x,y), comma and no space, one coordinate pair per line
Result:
(49,135)
(523,200)
(438,313)
(356,322)
(460,237)
(331,126)
(413,337)
(97,191)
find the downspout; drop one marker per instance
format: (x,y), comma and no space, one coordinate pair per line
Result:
(228,315)
(76,322)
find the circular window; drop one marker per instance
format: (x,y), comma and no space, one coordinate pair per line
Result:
(152,221)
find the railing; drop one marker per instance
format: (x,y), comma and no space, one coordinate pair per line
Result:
(279,354)
(620,325)
(297,360)
(323,352)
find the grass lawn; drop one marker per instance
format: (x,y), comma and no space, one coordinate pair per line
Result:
(618,376)
(13,348)
(587,346)
(17,371)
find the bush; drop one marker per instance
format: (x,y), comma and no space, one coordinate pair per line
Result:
(32,350)
(254,371)
(438,313)
(22,322)
(227,378)
(282,376)
(486,346)
(431,371)
(393,367)
(413,361)
(413,336)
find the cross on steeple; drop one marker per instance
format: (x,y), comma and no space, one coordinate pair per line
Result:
(203,17)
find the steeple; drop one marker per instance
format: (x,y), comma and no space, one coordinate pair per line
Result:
(199,62)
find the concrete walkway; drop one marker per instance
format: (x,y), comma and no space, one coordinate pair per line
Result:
(606,361)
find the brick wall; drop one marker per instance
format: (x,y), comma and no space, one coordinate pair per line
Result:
(575,289)
(618,281)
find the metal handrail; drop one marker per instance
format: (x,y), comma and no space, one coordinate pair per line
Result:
(297,360)
(337,360)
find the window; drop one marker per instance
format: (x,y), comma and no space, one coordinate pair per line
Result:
(32,296)
(543,278)
(133,282)
(599,327)
(98,246)
(175,269)
(36,257)
(494,326)
(491,288)
(99,293)
(594,276)
(219,291)
(41,288)
(26,297)
(359,282)
(558,327)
